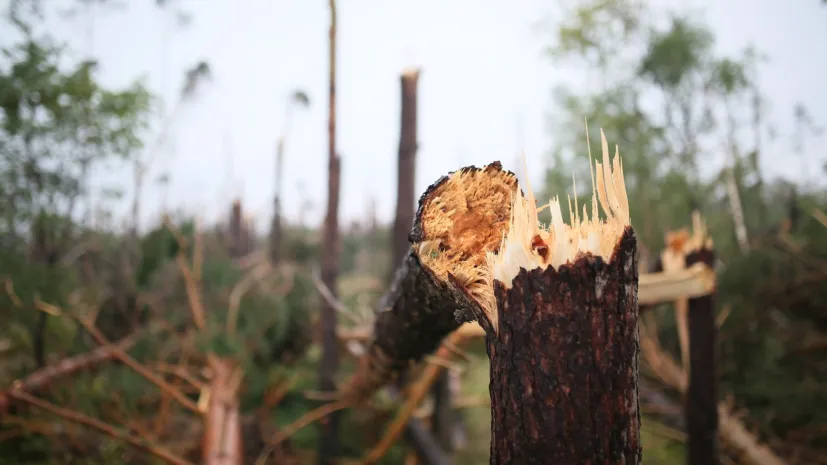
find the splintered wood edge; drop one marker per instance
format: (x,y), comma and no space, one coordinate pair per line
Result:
(460,218)
(530,245)
(695,281)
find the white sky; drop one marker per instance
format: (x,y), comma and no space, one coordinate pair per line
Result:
(484,92)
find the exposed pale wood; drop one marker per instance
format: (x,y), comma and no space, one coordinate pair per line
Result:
(695,281)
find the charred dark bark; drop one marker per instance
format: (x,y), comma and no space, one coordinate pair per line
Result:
(406,170)
(329,426)
(564,364)
(701,409)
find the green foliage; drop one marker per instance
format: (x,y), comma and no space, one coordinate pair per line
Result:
(770,358)
(676,53)
(55,122)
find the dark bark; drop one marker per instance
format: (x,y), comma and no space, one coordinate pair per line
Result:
(329,441)
(564,364)
(406,170)
(329,426)
(275,233)
(236,230)
(701,409)
(418,310)
(415,315)
(427,448)
(443,417)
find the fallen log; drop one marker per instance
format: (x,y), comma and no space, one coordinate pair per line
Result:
(460,218)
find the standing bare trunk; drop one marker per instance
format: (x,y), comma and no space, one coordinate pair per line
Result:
(236,230)
(702,396)
(406,169)
(275,228)
(328,437)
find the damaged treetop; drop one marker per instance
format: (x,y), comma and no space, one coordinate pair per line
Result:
(559,306)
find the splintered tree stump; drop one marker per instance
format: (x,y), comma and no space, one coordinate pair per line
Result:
(559,306)
(564,364)
(561,332)
(460,218)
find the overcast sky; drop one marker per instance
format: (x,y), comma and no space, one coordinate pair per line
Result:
(484,92)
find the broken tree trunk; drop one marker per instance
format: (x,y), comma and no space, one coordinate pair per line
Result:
(222,431)
(559,308)
(701,408)
(406,169)
(562,336)
(460,218)
(329,426)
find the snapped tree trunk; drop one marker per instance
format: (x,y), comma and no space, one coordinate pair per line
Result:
(329,436)
(702,393)
(460,218)
(559,307)
(564,363)
(562,334)
(222,442)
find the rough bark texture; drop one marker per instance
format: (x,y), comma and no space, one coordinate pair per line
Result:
(415,315)
(329,437)
(564,364)
(406,170)
(702,396)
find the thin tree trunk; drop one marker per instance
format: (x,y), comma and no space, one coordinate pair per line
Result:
(236,227)
(406,169)
(460,218)
(564,363)
(223,444)
(701,408)
(329,426)
(275,229)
